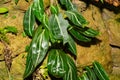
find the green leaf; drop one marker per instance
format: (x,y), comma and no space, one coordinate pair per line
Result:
(28,22)
(54,9)
(68,4)
(84,77)
(99,71)
(79,36)
(38,9)
(16,1)
(71,73)
(58,28)
(57,63)
(76,18)
(10,29)
(45,21)
(89,32)
(3,10)
(90,73)
(71,46)
(37,50)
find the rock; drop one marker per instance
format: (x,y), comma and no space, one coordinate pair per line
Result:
(3,71)
(112,24)
(116,61)
(17,44)
(114,30)
(18,66)
(98,50)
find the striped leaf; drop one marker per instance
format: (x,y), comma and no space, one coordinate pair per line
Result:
(37,50)
(79,36)
(99,71)
(54,9)
(57,63)
(28,22)
(90,73)
(58,28)
(76,18)
(38,9)
(84,77)
(71,45)
(89,32)
(45,21)
(68,4)
(71,73)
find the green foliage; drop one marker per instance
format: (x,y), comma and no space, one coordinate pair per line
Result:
(99,71)
(54,35)
(58,27)
(38,9)
(37,50)
(54,9)
(95,72)
(3,10)
(28,23)
(5,30)
(57,63)
(76,18)
(79,36)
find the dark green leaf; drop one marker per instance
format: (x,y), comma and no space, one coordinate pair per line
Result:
(57,63)
(71,45)
(91,75)
(58,28)
(28,22)
(37,50)
(68,4)
(54,9)
(16,1)
(99,71)
(88,32)
(76,18)
(79,36)
(38,9)
(71,73)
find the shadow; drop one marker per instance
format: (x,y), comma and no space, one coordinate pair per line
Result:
(101,6)
(115,46)
(94,41)
(53,78)
(29,78)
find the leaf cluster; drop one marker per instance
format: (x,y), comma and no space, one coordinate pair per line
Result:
(53,36)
